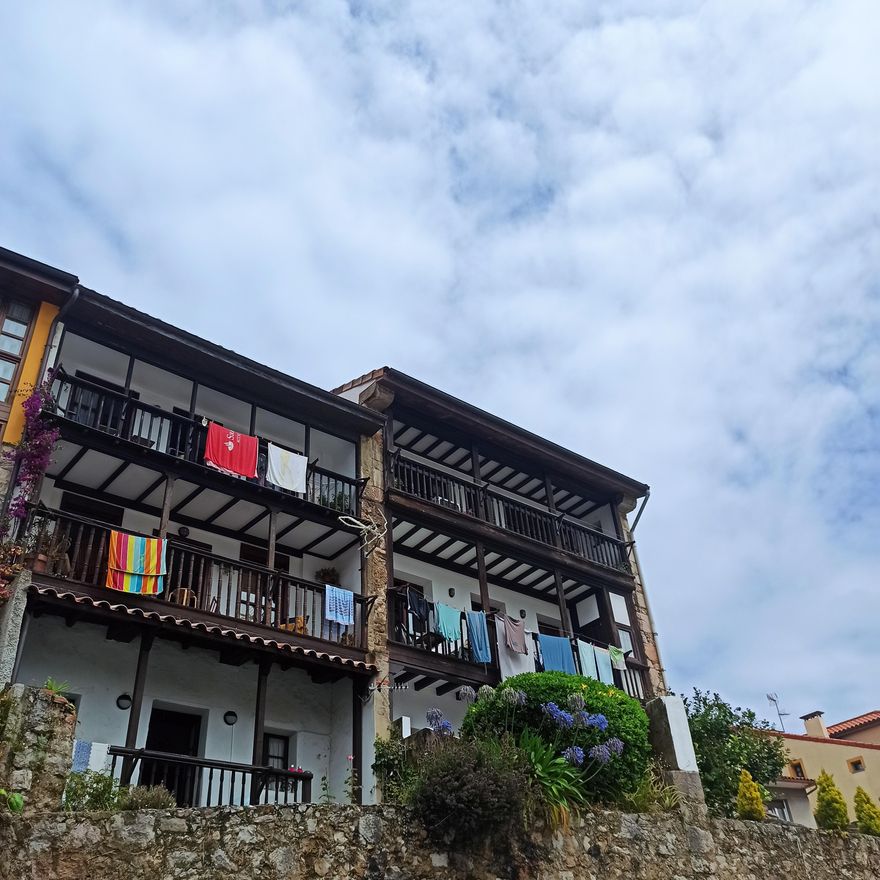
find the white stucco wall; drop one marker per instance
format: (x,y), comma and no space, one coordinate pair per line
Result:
(317,717)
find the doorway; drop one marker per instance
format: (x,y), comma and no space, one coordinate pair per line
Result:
(175,733)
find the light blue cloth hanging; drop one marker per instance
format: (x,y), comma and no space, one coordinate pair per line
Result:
(448,622)
(556,652)
(82,753)
(603,663)
(478,636)
(338,605)
(588,659)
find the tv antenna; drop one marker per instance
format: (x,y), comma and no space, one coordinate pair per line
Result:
(773,699)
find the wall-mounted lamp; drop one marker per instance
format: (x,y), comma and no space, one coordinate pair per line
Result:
(522,613)
(123,701)
(230,717)
(451,592)
(183,531)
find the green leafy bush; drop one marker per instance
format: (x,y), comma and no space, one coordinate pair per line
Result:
(496,715)
(90,790)
(394,769)
(558,783)
(831,814)
(13,800)
(653,794)
(726,741)
(867,813)
(145,797)
(471,790)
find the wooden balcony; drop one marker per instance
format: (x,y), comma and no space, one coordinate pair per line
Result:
(414,641)
(487,505)
(199,585)
(87,405)
(208,782)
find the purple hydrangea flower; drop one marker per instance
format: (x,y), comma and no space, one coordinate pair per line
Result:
(616,745)
(434,716)
(467,693)
(559,717)
(444,728)
(574,755)
(601,753)
(576,702)
(599,721)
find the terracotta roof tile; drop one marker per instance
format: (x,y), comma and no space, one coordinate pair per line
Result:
(852,724)
(200,626)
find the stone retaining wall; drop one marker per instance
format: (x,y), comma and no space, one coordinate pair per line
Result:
(317,842)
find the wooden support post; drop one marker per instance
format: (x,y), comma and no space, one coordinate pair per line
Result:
(259,726)
(137,694)
(273,535)
(564,614)
(166,505)
(475,471)
(359,690)
(481,574)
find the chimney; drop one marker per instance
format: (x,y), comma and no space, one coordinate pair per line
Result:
(814,725)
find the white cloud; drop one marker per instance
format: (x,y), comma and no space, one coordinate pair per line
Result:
(647,231)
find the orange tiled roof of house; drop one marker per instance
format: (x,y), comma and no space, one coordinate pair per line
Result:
(856,723)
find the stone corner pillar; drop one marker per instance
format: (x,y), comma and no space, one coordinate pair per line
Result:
(375,569)
(37,730)
(11,617)
(673,747)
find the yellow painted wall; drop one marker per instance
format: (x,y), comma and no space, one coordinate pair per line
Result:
(30,369)
(868,735)
(832,755)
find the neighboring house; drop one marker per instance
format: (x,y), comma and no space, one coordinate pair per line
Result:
(487,516)
(849,751)
(234,661)
(31,296)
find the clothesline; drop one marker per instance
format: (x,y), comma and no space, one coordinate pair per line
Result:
(572,638)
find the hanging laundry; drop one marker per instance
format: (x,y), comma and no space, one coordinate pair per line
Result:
(478,636)
(287,469)
(448,622)
(587,657)
(509,662)
(515,634)
(338,605)
(618,660)
(556,651)
(417,604)
(230,452)
(135,564)
(603,664)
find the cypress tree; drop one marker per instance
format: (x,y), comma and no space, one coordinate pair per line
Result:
(749,804)
(831,814)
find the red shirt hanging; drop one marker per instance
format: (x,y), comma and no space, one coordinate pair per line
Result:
(231,452)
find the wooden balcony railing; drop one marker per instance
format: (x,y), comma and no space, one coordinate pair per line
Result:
(205,782)
(631,680)
(113,413)
(75,549)
(407,628)
(428,484)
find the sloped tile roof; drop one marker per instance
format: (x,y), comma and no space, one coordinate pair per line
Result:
(866,720)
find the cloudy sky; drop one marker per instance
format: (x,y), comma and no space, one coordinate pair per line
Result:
(646,230)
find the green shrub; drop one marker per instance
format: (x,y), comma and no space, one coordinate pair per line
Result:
(749,803)
(13,800)
(394,769)
(90,790)
(145,797)
(867,813)
(653,794)
(830,812)
(495,715)
(471,790)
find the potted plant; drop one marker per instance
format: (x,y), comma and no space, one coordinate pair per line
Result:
(328,576)
(46,550)
(10,566)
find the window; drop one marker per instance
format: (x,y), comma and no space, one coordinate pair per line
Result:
(15,319)
(626,642)
(856,765)
(260,556)
(276,751)
(779,809)
(797,769)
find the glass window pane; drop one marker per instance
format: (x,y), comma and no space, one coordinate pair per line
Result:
(618,608)
(19,311)
(10,344)
(4,392)
(7,370)
(15,328)
(626,641)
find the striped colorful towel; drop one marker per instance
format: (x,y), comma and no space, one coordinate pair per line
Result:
(135,564)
